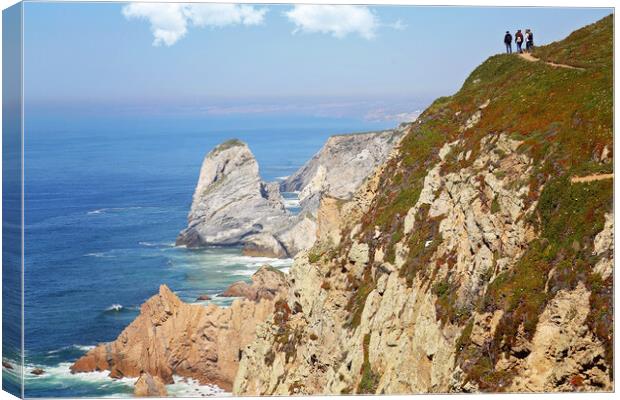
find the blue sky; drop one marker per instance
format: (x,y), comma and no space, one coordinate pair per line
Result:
(368,62)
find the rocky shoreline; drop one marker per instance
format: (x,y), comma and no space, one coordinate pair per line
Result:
(171,337)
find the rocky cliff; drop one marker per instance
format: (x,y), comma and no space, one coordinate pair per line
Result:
(341,166)
(171,337)
(478,257)
(232,206)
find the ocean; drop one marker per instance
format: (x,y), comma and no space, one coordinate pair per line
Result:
(105,199)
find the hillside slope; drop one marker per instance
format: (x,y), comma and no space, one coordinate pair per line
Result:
(472,260)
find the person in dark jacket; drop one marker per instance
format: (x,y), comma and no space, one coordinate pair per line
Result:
(519,40)
(508,42)
(529,40)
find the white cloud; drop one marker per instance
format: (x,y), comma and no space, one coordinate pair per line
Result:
(170,21)
(220,15)
(337,20)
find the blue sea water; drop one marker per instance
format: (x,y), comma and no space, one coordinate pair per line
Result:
(105,199)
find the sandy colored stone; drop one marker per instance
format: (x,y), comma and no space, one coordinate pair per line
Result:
(149,386)
(171,337)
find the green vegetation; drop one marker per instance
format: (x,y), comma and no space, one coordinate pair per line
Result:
(586,47)
(361,289)
(314,256)
(227,145)
(273,269)
(370,380)
(570,216)
(564,118)
(423,242)
(495,205)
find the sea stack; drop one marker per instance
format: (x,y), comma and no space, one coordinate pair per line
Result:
(231,204)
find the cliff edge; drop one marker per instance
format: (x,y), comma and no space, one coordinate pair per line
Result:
(477,258)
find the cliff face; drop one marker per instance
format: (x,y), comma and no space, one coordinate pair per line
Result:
(478,257)
(341,166)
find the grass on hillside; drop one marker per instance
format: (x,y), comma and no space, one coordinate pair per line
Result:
(565,119)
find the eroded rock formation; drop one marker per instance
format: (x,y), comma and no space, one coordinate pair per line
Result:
(341,166)
(191,340)
(232,206)
(231,203)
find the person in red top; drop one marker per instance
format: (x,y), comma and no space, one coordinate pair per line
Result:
(519,40)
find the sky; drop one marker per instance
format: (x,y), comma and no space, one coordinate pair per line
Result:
(369,62)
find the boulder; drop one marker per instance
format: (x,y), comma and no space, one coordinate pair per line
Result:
(148,385)
(264,245)
(267,283)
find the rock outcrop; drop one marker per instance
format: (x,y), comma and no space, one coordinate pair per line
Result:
(267,283)
(149,386)
(341,166)
(231,204)
(190,340)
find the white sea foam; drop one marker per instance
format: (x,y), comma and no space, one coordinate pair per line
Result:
(243,272)
(188,387)
(112,209)
(232,260)
(61,375)
(115,307)
(99,255)
(94,212)
(151,244)
(292,203)
(282,178)
(83,348)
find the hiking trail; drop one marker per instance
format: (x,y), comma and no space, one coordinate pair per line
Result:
(591,178)
(531,58)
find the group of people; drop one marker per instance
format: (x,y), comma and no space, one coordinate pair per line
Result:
(519,39)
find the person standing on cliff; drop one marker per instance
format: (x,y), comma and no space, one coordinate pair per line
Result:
(519,40)
(508,42)
(529,40)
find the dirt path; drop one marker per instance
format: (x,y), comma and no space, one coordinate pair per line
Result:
(591,178)
(529,57)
